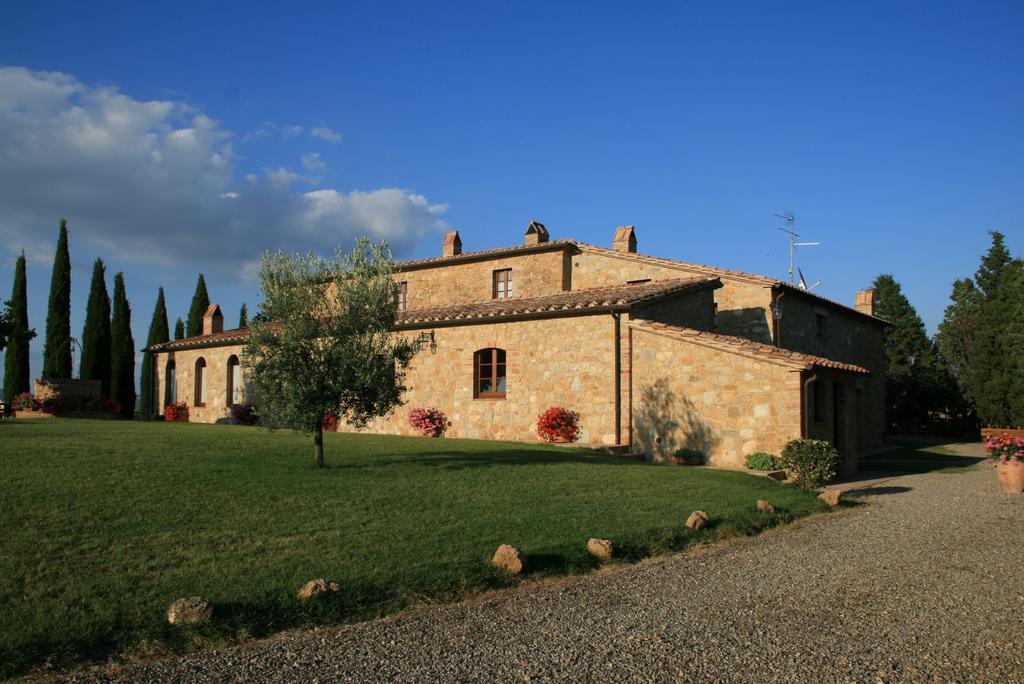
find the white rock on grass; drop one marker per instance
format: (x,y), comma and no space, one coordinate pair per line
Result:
(194,610)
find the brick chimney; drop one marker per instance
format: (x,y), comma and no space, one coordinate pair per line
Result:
(866,302)
(625,239)
(536,233)
(452,245)
(213,320)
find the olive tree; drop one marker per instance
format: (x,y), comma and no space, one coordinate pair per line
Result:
(323,345)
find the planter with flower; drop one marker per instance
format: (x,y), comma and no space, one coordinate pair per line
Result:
(559,425)
(429,422)
(25,402)
(330,423)
(1006,452)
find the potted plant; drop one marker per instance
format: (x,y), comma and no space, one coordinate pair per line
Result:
(1007,455)
(24,402)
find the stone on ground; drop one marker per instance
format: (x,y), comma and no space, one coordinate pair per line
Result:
(831,496)
(697,520)
(601,548)
(765,506)
(317,587)
(194,610)
(509,558)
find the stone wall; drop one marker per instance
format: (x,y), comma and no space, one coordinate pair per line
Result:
(217,408)
(533,275)
(695,309)
(724,404)
(742,307)
(567,361)
(847,336)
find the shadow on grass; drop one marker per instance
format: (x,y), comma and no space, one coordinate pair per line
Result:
(458,460)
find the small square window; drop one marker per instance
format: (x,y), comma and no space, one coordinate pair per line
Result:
(502,284)
(403,294)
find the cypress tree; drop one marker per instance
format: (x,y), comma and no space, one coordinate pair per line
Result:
(57,347)
(179,330)
(910,357)
(200,302)
(981,334)
(149,403)
(16,368)
(993,353)
(122,351)
(96,333)
(243,317)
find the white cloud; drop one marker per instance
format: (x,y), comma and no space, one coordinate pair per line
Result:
(325,133)
(149,181)
(313,162)
(291,131)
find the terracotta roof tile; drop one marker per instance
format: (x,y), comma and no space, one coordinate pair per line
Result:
(550,246)
(722,272)
(615,296)
(740,345)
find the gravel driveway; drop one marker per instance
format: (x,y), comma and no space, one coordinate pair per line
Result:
(924,582)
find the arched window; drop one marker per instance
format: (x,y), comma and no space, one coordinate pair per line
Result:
(200,399)
(489,373)
(170,384)
(234,381)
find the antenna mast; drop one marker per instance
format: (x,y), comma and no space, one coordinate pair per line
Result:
(790,220)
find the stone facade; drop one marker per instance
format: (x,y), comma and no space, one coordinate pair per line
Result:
(722,403)
(708,366)
(215,361)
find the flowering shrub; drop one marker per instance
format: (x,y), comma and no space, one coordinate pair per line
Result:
(430,422)
(810,461)
(176,413)
(760,460)
(24,402)
(1005,449)
(245,414)
(558,425)
(58,404)
(330,423)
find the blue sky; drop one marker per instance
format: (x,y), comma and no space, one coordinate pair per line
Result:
(192,137)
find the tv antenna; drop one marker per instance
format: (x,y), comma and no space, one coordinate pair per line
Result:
(794,242)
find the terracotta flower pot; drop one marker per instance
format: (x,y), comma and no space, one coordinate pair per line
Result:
(1011,476)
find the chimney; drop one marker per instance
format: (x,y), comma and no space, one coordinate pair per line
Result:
(452,245)
(625,239)
(536,233)
(866,302)
(213,320)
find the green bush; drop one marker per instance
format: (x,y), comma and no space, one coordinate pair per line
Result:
(810,461)
(760,460)
(689,456)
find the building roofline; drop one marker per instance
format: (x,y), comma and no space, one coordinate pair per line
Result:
(585,302)
(725,274)
(484,255)
(748,348)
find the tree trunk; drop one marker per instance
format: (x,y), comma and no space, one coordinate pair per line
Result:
(318,443)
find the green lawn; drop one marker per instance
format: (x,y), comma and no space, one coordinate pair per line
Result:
(918,458)
(105,523)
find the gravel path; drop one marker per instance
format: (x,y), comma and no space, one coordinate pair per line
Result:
(922,583)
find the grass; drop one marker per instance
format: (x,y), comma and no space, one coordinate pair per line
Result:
(919,458)
(106,522)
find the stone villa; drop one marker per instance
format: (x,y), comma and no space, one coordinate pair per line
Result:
(655,354)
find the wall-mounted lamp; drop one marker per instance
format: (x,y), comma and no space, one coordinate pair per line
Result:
(426,339)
